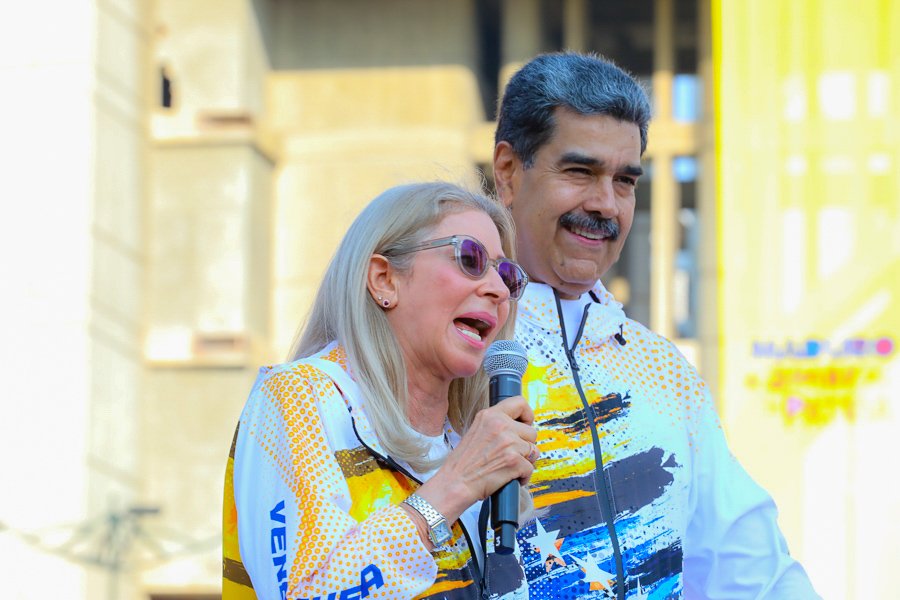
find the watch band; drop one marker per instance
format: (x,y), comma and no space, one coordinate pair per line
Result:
(438,529)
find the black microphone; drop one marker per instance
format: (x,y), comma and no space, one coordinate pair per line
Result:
(505,363)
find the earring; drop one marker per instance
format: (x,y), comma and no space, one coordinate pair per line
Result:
(380,298)
(385,303)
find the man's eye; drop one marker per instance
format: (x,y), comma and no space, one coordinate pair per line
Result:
(578,171)
(627,180)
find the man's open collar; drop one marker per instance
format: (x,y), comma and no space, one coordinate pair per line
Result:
(605,315)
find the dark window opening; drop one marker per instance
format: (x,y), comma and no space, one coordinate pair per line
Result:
(487,16)
(165,99)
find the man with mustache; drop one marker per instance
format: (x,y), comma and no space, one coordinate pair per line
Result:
(636,490)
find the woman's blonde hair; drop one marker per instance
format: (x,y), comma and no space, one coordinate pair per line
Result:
(345,311)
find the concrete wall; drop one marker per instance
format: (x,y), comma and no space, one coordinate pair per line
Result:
(348,135)
(323,34)
(208,278)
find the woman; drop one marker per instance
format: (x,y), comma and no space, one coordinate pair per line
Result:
(384,391)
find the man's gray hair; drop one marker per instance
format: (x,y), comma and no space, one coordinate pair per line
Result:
(587,84)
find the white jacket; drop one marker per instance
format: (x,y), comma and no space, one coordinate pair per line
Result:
(639,492)
(312,500)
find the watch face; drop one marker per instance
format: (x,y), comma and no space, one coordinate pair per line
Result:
(440,533)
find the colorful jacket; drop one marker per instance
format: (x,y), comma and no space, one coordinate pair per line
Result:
(312,500)
(637,492)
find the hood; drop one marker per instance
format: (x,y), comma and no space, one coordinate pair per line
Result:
(332,360)
(606,319)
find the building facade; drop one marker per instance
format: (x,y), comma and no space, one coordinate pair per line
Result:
(205,157)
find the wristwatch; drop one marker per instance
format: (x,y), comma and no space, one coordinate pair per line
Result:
(438,529)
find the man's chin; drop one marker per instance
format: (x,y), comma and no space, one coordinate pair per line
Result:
(569,283)
(577,276)
(572,290)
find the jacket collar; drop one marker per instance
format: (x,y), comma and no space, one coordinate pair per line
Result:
(605,315)
(332,360)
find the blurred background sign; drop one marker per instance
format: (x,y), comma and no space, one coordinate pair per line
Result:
(808,145)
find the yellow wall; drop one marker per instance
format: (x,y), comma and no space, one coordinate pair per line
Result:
(808,116)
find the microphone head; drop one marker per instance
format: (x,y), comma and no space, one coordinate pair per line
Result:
(505,357)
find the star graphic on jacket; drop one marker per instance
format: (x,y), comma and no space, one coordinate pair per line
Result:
(593,574)
(545,542)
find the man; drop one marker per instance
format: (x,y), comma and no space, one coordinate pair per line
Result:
(636,490)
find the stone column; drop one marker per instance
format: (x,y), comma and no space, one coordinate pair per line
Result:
(208,283)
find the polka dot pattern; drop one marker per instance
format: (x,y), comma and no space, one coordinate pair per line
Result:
(647,411)
(342,513)
(329,547)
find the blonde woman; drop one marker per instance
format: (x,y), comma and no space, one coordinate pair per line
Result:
(359,467)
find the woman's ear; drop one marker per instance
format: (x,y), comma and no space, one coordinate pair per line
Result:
(381,281)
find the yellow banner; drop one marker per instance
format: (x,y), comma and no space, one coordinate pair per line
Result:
(808,155)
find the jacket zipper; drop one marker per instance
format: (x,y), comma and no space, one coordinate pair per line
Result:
(605,503)
(479,572)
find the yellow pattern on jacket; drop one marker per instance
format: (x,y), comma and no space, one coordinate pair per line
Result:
(311,506)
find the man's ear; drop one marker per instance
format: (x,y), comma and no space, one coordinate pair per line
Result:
(507,166)
(381,281)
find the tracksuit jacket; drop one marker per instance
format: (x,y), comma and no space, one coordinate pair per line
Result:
(311,505)
(637,492)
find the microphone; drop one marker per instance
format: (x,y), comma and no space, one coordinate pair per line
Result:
(505,363)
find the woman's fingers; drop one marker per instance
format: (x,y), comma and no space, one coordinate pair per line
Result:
(499,447)
(517,408)
(505,440)
(533,453)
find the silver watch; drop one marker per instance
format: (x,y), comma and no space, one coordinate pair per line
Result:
(438,529)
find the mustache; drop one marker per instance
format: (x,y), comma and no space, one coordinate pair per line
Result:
(606,228)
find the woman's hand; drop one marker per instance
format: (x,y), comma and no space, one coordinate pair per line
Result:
(498,448)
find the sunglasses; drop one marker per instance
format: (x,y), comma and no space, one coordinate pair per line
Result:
(473,261)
